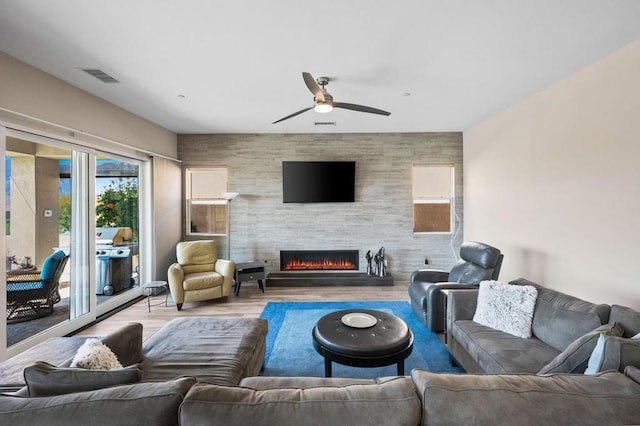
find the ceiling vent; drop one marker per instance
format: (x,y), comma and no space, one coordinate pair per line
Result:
(100,75)
(325,123)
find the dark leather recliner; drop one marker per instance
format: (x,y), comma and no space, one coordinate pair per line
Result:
(478,262)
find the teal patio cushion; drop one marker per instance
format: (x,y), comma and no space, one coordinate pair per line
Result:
(51,264)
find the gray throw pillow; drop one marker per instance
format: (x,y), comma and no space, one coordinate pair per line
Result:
(44,379)
(126,343)
(575,357)
(620,353)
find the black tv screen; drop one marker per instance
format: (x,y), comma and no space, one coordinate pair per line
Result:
(318,181)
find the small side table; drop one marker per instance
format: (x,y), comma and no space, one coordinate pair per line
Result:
(249,271)
(156,284)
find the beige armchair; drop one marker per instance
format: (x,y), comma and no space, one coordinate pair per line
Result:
(199,274)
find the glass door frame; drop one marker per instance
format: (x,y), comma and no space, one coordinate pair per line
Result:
(86,261)
(125,297)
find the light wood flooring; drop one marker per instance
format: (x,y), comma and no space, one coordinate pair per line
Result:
(249,303)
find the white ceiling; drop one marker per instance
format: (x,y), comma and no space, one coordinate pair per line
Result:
(436,65)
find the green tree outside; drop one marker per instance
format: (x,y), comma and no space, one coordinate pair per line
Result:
(65,213)
(118,205)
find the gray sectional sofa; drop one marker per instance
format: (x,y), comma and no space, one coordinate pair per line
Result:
(422,399)
(198,371)
(564,333)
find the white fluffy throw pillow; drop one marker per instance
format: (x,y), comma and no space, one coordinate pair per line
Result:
(94,355)
(506,307)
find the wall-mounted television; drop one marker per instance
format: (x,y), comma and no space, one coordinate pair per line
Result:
(318,181)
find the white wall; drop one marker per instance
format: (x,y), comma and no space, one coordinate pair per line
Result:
(167,205)
(554,182)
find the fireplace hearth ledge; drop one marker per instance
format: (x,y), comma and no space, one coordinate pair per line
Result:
(326,279)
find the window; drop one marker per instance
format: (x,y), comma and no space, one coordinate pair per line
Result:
(206,207)
(433,196)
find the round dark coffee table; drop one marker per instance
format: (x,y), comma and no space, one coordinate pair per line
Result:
(388,341)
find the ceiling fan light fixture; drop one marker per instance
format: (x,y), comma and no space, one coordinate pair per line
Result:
(323,101)
(323,107)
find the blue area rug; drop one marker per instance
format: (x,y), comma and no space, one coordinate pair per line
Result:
(290,349)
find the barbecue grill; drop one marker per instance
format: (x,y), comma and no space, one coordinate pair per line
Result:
(114,259)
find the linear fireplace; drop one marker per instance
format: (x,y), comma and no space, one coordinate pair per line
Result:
(319,260)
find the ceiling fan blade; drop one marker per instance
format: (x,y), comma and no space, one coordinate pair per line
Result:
(360,108)
(293,115)
(313,86)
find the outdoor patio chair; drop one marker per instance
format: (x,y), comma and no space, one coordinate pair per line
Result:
(32,295)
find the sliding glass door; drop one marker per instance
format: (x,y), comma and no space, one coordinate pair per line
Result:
(73,236)
(117,236)
(45,226)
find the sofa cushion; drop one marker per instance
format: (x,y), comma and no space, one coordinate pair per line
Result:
(202,280)
(563,399)
(575,358)
(391,403)
(55,350)
(559,319)
(196,252)
(500,352)
(154,403)
(627,317)
(126,343)
(44,379)
(615,353)
(633,373)
(505,307)
(266,382)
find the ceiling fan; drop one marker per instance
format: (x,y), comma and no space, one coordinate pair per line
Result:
(323,101)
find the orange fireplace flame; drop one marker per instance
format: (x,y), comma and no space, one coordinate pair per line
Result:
(300,265)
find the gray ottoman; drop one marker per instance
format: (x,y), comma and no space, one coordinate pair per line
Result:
(218,350)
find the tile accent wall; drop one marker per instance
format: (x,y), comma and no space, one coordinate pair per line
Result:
(262,225)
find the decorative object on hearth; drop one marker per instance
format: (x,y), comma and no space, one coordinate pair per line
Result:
(229,196)
(381,263)
(369,257)
(323,101)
